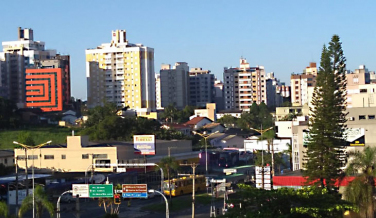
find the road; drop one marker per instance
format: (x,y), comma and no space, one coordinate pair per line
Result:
(90,209)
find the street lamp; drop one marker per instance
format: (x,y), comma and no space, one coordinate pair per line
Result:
(261,131)
(205,136)
(32,148)
(167,211)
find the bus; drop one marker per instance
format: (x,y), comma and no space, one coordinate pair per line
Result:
(184,185)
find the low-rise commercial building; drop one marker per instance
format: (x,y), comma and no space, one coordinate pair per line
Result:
(79,154)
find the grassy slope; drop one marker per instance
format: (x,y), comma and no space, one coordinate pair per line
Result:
(58,135)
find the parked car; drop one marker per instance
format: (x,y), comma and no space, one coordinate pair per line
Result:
(67,198)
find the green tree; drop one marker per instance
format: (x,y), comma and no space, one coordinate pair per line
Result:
(26,138)
(8,114)
(245,121)
(169,165)
(286,202)
(170,113)
(228,120)
(259,156)
(288,152)
(169,134)
(255,119)
(183,115)
(41,203)
(99,113)
(324,154)
(4,211)
(362,189)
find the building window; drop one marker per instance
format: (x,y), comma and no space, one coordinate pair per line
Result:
(363,90)
(85,156)
(100,156)
(32,157)
(63,156)
(362,117)
(21,157)
(49,157)
(6,161)
(371,117)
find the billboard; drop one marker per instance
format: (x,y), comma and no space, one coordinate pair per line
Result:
(354,137)
(144,144)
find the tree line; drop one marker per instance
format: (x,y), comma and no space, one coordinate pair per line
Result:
(104,124)
(257,117)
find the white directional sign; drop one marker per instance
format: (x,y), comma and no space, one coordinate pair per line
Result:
(82,190)
(267,177)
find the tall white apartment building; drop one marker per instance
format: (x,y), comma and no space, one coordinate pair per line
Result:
(174,85)
(243,86)
(302,85)
(122,73)
(158,91)
(15,58)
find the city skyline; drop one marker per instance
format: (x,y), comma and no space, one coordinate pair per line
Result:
(282,37)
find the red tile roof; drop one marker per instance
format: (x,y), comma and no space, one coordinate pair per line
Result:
(177,126)
(211,125)
(195,120)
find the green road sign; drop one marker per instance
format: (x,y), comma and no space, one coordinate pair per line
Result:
(101,191)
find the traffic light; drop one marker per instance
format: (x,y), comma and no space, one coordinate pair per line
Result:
(117,199)
(218,210)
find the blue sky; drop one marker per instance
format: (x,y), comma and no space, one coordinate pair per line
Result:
(283,36)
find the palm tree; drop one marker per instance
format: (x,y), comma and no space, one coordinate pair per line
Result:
(362,189)
(109,207)
(168,164)
(41,203)
(170,112)
(289,153)
(4,211)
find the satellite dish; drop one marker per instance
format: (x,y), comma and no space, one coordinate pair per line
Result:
(98,179)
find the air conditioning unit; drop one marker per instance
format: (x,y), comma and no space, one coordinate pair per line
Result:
(351,118)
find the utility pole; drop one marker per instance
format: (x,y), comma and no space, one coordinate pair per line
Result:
(193,165)
(261,131)
(78,206)
(27,147)
(16,184)
(26,174)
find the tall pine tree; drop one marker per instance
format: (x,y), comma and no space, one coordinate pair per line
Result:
(324,156)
